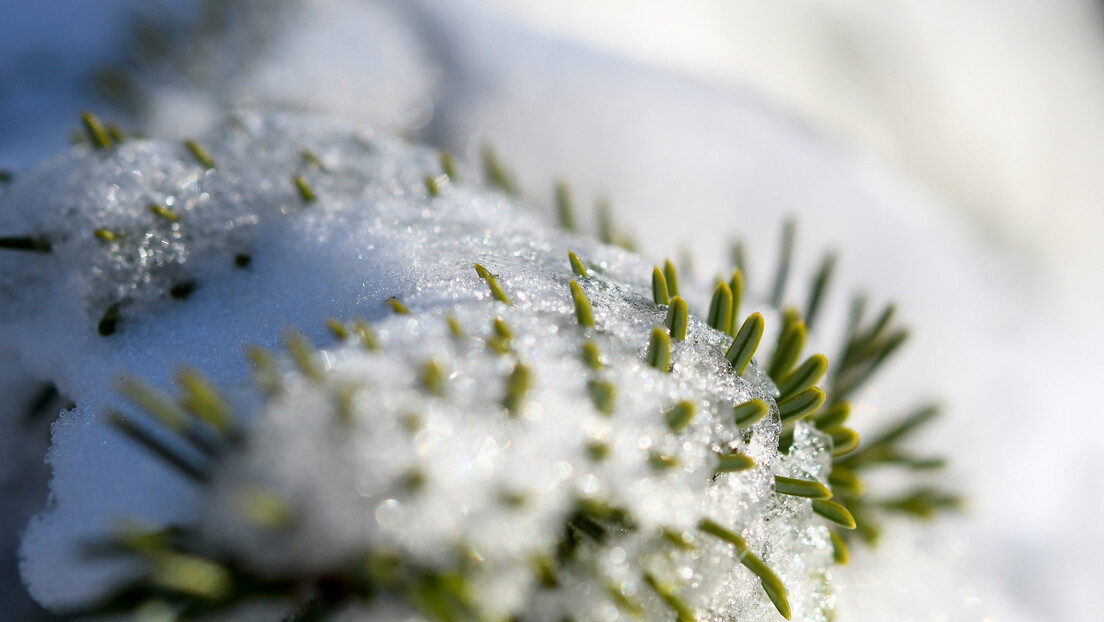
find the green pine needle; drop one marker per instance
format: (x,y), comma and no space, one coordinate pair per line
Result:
(883,447)
(495,174)
(833,416)
(598,450)
(662,462)
(302,355)
(264,509)
(624,603)
(772,585)
(854,317)
(834,512)
(677,318)
(591,356)
(606,233)
(682,540)
(500,340)
(163,212)
(583,311)
(801,488)
(733,463)
(686,261)
(749,413)
(202,399)
(790,343)
(844,440)
(882,322)
(193,431)
(365,335)
(859,373)
(97,135)
(431,187)
(397,306)
(785,255)
(739,259)
(448,166)
(736,286)
(154,444)
(840,554)
(671,275)
(266,375)
(190,575)
(909,424)
(602,394)
(564,209)
(845,481)
(820,285)
(502,329)
(432,377)
(168,413)
(720,308)
(455,329)
(200,154)
(806,375)
(923,503)
(862,344)
(659,350)
(116,133)
(679,416)
(660,295)
(710,527)
(312,160)
(492,284)
(337,329)
(745,343)
(801,405)
(682,611)
(306,193)
(776,592)
(517,386)
(577,266)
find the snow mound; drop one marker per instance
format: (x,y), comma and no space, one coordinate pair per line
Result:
(456,430)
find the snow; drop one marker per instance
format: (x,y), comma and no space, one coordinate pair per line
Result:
(23,476)
(708,162)
(376,229)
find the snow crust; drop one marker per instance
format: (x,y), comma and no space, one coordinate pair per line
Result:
(375,232)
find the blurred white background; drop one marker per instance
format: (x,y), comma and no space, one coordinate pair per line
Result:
(996,104)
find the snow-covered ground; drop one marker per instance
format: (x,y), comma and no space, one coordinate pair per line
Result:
(1004,325)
